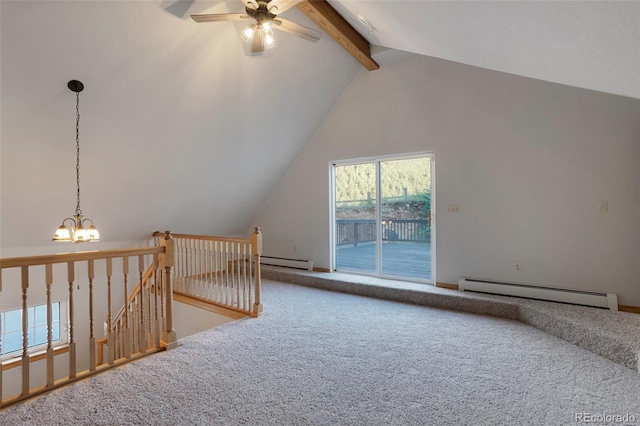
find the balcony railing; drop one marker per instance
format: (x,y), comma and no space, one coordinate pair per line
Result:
(354,231)
(90,285)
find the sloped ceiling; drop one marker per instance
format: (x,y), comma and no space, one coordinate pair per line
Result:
(182,129)
(588,44)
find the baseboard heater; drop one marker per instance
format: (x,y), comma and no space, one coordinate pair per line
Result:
(529,291)
(287,263)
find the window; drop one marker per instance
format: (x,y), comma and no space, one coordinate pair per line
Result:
(11,328)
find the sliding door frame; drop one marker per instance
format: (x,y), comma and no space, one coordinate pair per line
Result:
(377,160)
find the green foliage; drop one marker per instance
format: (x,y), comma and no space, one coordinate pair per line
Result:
(402,180)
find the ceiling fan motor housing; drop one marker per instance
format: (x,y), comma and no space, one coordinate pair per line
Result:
(261,14)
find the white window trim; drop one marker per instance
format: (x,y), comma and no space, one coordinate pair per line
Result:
(64,331)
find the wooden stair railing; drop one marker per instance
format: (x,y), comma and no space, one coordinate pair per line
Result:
(119,347)
(222,271)
(52,279)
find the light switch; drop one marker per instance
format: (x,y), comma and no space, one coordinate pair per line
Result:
(453,208)
(603,207)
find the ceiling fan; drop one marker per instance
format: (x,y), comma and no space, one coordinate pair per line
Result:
(265,13)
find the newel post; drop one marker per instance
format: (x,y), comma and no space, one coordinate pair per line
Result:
(169,334)
(256,244)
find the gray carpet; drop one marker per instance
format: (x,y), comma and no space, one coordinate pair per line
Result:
(614,335)
(322,358)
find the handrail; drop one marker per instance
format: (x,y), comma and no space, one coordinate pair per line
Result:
(222,271)
(14,262)
(103,276)
(204,237)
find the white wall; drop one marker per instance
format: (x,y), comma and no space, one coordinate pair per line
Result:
(527,161)
(180,128)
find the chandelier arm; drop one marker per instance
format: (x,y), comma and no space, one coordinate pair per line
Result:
(86,220)
(71,219)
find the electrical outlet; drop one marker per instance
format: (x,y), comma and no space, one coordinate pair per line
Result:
(517,267)
(453,208)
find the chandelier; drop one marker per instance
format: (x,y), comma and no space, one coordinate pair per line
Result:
(76,231)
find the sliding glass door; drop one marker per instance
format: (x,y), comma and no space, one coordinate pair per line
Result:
(390,234)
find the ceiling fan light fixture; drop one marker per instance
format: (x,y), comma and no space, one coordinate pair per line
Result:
(266,14)
(269,40)
(247,33)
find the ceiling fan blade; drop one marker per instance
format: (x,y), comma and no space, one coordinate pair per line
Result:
(216,17)
(180,8)
(297,29)
(257,42)
(278,6)
(251,4)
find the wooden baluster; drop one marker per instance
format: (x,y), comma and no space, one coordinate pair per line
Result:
(178,262)
(201,267)
(118,352)
(155,300)
(195,259)
(110,337)
(127,324)
(226,266)
(216,267)
(161,258)
(256,242)
(222,271)
(195,271)
(207,270)
(249,283)
(48,272)
(198,260)
(251,272)
(92,337)
(72,343)
(25,332)
(182,284)
(237,273)
(187,262)
(133,323)
(1,373)
(143,302)
(245,305)
(206,267)
(150,319)
(231,264)
(170,333)
(191,273)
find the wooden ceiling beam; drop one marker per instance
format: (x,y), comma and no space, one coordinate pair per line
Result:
(332,23)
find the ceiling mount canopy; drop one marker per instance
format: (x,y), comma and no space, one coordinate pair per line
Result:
(265,13)
(76,231)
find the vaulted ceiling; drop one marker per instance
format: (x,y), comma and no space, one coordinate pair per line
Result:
(182,129)
(589,44)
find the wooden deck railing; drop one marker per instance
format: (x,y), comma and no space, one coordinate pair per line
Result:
(52,279)
(354,231)
(219,270)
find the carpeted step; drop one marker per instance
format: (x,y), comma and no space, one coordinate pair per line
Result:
(612,335)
